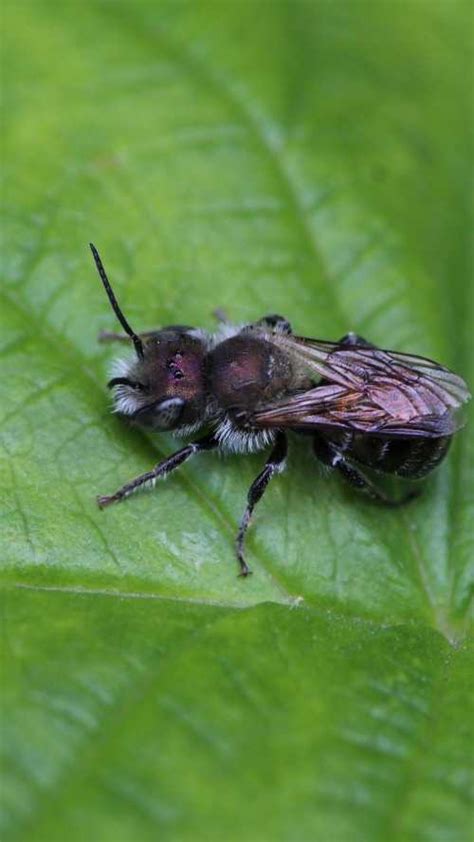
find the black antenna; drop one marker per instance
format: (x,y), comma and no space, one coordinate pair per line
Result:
(115,306)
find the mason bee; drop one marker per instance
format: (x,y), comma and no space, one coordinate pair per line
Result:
(363,407)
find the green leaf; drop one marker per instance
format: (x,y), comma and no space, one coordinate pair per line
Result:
(311,159)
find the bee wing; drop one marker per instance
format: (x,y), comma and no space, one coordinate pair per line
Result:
(369,389)
(333,407)
(357,365)
(320,408)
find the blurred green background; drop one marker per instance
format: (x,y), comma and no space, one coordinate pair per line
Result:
(313,159)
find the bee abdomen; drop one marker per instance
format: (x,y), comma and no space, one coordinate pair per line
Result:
(412,458)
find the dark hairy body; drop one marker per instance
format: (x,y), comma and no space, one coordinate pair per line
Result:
(363,407)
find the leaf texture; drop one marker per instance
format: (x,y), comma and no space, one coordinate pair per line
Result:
(304,158)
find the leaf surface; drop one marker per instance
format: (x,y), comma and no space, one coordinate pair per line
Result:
(307,159)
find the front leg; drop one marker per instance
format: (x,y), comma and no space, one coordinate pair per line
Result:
(161,470)
(274,465)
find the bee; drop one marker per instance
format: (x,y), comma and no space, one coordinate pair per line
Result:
(365,409)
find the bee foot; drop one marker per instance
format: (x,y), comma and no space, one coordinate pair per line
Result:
(106,500)
(244,571)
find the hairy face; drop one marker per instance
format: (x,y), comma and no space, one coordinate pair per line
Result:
(166,389)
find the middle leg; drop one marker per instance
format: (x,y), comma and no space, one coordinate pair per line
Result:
(353,339)
(275,322)
(274,465)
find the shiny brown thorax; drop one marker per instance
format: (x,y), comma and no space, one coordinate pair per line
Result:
(246,372)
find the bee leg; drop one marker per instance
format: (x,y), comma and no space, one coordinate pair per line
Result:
(275,322)
(161,470)
(274,465)
(354,339)
(333,457)
(221,316)
(112,336)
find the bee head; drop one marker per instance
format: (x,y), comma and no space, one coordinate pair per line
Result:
(163,386)
(164,389)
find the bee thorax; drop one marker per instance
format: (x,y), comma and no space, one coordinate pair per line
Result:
(245,371)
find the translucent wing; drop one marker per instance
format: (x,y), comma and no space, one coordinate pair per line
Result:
(368,389)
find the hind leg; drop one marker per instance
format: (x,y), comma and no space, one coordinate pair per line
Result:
(334,457)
